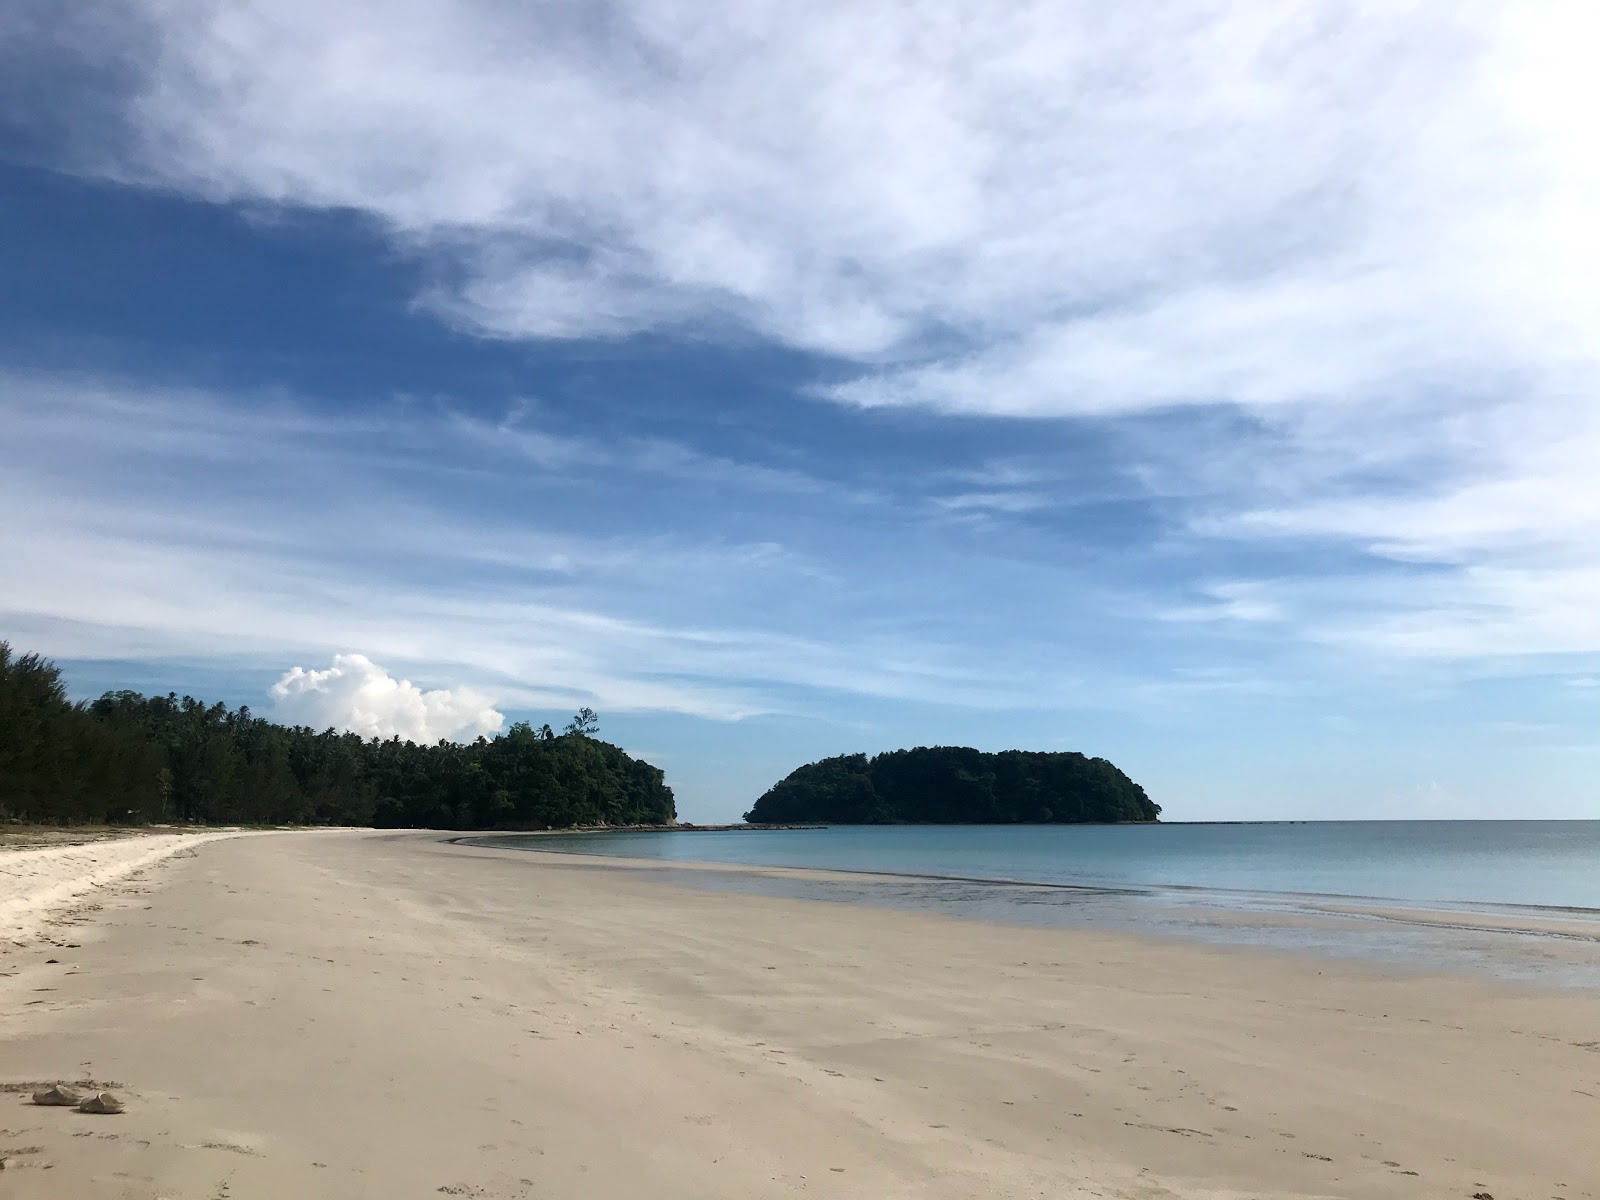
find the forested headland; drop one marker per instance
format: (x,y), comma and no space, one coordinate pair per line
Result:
(955,785)
(132,758)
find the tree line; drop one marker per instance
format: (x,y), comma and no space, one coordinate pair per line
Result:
(955,785)
(132,758)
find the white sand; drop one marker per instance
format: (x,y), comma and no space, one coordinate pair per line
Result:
(34,884)
(361,1015)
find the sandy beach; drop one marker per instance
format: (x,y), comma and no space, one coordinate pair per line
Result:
(36,883)
(345,1014)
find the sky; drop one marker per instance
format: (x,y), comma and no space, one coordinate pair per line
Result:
(1210,386)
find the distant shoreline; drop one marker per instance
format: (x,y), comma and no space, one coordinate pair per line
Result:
(585,830)
(692,827)
(768,826)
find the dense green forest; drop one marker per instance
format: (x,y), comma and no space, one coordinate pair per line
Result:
(132,758)
(957,786)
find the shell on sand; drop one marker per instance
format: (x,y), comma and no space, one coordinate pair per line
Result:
(101,1102)
(59,1096)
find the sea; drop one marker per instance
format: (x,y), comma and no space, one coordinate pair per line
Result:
(1514,899)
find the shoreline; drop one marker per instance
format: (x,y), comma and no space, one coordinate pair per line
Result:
(599,830)
(1511,948)
(39,882)
(380,1014)
(1579,922)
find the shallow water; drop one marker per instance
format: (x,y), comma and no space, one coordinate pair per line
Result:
(1554,863)
(1341,888)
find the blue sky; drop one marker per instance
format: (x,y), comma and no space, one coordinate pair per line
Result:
(1207,388)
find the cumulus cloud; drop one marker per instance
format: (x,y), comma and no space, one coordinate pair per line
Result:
(358,695)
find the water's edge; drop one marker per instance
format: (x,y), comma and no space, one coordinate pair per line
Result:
(1540,942)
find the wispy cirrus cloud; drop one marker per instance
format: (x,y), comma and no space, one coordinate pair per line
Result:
(156,523)
(1470,533)
(1324,280)
(1107,209)
(1367,231)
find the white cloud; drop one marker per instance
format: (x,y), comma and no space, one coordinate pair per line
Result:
(356,694)
(1480,613)
(127,542)
(1368,228)
(1234,600)
(1113,205)
(993,502)
(1488,516)
(1508,479)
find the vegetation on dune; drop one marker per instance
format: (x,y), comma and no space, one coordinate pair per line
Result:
(955,785)
(132,758)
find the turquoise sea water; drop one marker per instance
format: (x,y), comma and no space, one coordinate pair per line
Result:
(1554,863)
(1521,899)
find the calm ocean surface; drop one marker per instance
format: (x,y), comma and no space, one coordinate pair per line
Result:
(1446,862)
(1340,888)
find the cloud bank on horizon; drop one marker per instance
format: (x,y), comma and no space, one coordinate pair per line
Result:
(1240,351)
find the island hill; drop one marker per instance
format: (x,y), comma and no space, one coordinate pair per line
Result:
(955,785)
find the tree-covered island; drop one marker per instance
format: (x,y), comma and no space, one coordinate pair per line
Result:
(955,785)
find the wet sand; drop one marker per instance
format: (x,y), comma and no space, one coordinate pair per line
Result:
(355,1014)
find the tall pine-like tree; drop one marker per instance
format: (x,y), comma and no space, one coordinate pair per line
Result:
(132,758)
